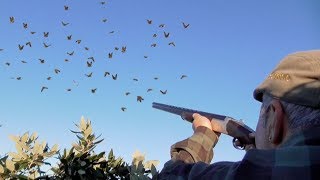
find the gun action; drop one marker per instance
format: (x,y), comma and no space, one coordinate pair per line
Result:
(222,124)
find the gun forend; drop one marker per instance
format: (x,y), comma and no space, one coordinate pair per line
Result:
(220,123)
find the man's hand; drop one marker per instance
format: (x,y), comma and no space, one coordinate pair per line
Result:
(200,121)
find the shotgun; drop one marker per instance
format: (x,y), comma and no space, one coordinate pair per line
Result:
(222,124)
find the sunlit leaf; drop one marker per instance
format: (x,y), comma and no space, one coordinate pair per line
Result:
(25,137)
(14,155)
(150,163)
(1,169)
(82,124)
(110,155)
(137,157)
(34,136)
(55,148)
(10,165)
(14,138)
(23,145)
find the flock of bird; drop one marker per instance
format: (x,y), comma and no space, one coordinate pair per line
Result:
(90,60)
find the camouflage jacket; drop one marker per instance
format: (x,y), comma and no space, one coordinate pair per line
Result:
(297,158)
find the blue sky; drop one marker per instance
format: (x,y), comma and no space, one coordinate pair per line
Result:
(228,49)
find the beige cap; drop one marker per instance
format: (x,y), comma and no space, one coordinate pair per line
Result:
(296,80)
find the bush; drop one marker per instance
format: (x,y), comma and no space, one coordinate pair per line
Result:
(78,162)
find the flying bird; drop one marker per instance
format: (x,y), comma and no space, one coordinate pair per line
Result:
(153,45)
(41,61)
(66,8)
(172,44)
(89,75)
(123,49)
(114,77)
(155,78)
(140,98)
(161,25)
(32,32)
(43,88)
(57,71)
(66,60)
(123,108)
(25,25)
(163,92)
(149,21)
(149,90)
(69,37)
(71,53)
(86,48)
(89,64)
(104,20)
(166,35)
(45,34)
(145,57)
(91,58)
(78,41)
(110,55)
(20,47)
(154,35)
(68,89)
(93,90)
(135,79)
(106,74)
(102,2)
(46,45)
(7,63)
(64,24)
(111,32)
(49,78)
(185,25)
(28,44)
(11,19)
(127,93)
(19,78)
(116,48)
(24,62)
(183,76)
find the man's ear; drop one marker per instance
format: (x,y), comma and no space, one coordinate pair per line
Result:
(276,122)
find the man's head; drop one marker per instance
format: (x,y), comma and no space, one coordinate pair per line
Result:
(290,99)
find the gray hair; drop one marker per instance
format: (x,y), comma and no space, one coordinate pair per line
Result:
(299,117)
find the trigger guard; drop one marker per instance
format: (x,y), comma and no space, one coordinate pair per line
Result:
(237,144)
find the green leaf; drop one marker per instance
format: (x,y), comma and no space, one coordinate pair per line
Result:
(154,171)
(110,156)
(97,142)
(75,132)
(81,172)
